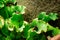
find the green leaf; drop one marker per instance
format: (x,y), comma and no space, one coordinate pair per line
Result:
(1,4)
(53,16)
(10,10)
(42,16)
(27,27)
(2,37)
(50,27)
(46,18)
(20,29)
(55,31)
(20,9)
(9,25)
(12,35)
(42,26)
(5,31)
(40,37)
(1,22)
(34,22)
(3,13)
(17,19)
(31,34)
(7,38)
(43,37)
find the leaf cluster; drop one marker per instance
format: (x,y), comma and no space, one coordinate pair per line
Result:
(13,26)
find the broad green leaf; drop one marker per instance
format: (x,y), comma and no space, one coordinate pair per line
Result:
(3,13)
(5,31)
(20,29)
(40,37)
(25,23)
(42,15)
(7,38)
(1,4)
(31,34)
(20,9)
(9,25)
(10,10)
(55,31)
(53,16)
(12,36)
(34,22)
(1,22)
(42,26)
(2,37)
(50,28)
(17,19)
(46,18)
(27,27)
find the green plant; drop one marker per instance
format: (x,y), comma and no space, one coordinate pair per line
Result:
(13,26)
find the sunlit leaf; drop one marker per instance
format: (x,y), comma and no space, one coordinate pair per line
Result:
(1,5)
(43,16)
(1,22)
(10,10)
(9,25)
(20,9)
(53,16)
(34,22)
(42,26)
(21,28)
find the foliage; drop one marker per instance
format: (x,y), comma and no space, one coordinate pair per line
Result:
(13,26)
